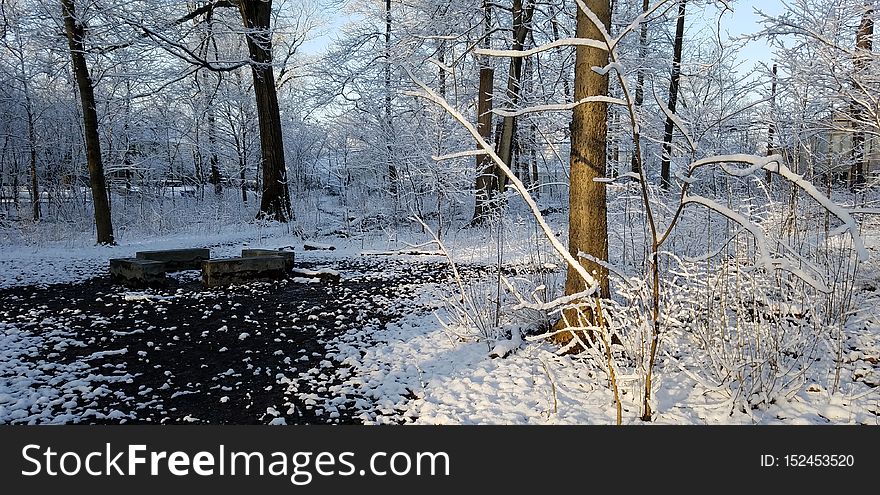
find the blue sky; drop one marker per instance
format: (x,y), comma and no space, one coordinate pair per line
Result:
(742,21)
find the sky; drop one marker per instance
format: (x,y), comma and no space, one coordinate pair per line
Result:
(742,21)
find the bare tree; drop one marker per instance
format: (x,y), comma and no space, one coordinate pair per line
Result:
(522,20)
(76,40)
(666,156)
(771,127)
(492,180)
(640,77)
(862,58)
(485,168)
(257,18)
(392,170)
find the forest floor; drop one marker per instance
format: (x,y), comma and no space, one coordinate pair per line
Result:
(97,352)
(381,346)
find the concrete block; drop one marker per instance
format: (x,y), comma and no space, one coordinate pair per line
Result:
(287,255)
(177,259)
(138,273)
(237,270)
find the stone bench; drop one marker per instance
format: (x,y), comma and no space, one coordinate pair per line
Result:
(237,270)
(254,253)
(177,259)
(138,272)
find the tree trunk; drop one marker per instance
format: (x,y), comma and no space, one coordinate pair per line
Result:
(666,156)
(522,20)
(485,184)
(554,24)
(31,133)
(275,203)
(76,40)
(213,159)
(587,220)
(441,57)
(32,144)
(864,44)
(492,180)
(635,161)
(533,160)
(771,127)
(392,170)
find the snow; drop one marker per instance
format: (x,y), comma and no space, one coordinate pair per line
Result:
(505,347)
(423,364)
(543,48)
(560,107)
(143,296)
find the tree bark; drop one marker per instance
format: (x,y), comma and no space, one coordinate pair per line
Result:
(587,220)
(214,161)
(392,170)
(32,144)
(522,21)
(640,77)
(666,156)
(771,126)
(864,45)
(76,40)
(489,187)
(485,184)
(275,203)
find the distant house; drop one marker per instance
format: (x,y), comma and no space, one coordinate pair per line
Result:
(826,151)
(840,148)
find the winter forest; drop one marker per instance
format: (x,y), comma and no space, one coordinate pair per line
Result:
(439,212)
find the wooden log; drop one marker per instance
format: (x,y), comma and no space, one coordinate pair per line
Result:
(287,255)
(316,246)
(238,270)
(138,273)
(177,259)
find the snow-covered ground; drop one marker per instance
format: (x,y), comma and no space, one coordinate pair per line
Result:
(413,361)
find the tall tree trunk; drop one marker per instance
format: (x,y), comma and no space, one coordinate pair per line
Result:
(554,24)
(441,57)
(587,220)
(392,170)
(242,162)
(31,132)
(525,138)
(275,203)
(771,126)
(522,21)
(214,161)
(864,45)
(32,144)
(640,78)
(76,40)
(3,172)
(492,178)
(15,184)
(485,184)
(666,156)
(533,160)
